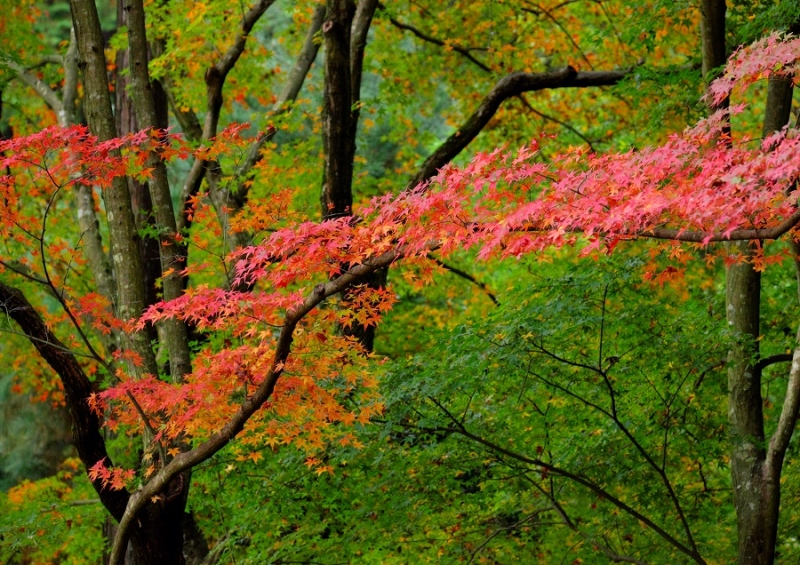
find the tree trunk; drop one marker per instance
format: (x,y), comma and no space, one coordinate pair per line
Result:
(345,31)
(172,251)
(122,227)
(156,536)
(337,118)
(755,466)
(140,195)
(755,524)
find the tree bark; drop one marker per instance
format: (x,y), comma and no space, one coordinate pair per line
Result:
(337,119)
(755,464)
(172,252)
(127,265)
(140,195)
(345,30)
(77,388)
(756,467)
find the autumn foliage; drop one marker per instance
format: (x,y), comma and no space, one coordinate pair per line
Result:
(271,364)
(696,187)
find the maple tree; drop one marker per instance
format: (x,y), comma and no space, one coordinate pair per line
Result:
(265,325)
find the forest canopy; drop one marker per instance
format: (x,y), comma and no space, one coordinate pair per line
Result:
(403,282)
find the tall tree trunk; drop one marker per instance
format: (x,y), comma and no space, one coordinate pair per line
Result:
(122,227)
(140,195)
(144,95)
(337,118)
(345,32)
(755,466)
(156,537)
(755,463)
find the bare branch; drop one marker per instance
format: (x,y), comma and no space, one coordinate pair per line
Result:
(288,94)
(499,531)
(765,362)
(672,234)
(467,276)
(358,43)
(226,63)
(216,75)
(580,479)
(559,25)
(42,89)
(736,235)
(567,521)
(215,80)
(550,118)
(507,87)
(430,39)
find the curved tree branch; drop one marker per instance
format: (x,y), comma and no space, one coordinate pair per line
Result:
(231,429)
(215,80)
(288,94)
(672,234)
(465,275)
(580,479)
(77,389)
(787,421)
(736,235)
(430,39)
(765,362)
(563,124)
(507,87)
(42,89)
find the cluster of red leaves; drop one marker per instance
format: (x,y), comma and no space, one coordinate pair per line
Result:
(503,204)
(508,204)
(500,204)
(115,478)
(96,310)
(323,371)
(61,156)
(43,164)
(776,54)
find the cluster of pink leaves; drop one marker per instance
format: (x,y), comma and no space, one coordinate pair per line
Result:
(55,158)
(776,54)
(506,205)
(73,155)
(503,204)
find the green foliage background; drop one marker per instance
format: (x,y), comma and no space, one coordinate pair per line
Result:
(529,378)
